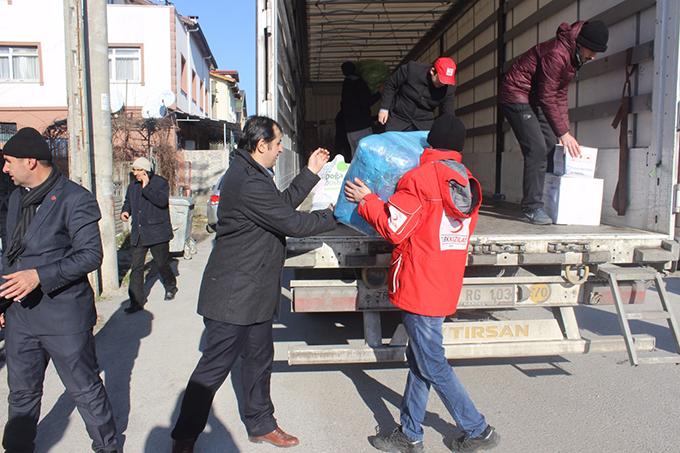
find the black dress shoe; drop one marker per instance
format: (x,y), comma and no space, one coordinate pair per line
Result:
(183,446)
(133,308)
(170,293)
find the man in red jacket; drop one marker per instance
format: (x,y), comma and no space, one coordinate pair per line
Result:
(430,219)
(533,98)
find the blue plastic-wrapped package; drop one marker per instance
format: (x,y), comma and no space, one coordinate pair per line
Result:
(380,161)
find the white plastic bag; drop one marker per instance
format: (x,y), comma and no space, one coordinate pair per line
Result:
(327,190)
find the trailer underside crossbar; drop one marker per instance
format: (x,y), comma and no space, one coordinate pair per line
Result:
(313,355)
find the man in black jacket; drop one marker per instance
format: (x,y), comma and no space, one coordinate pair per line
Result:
(146,201)
(356,102)
(53,243)
(413,92)
(241,283)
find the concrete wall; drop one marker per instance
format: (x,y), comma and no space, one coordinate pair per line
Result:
(206,168)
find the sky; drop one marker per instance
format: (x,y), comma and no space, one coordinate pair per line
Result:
(229,28)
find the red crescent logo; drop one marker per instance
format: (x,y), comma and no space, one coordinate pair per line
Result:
(456,226)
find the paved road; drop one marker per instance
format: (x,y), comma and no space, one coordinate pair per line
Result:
(590,403)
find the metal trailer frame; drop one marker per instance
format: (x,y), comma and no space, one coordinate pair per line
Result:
(570,257)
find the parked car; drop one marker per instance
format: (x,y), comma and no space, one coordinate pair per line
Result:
(212,203)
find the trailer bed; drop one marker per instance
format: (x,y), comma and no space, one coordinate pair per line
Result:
(501,238)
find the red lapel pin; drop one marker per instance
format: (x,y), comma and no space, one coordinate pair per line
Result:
(53,198)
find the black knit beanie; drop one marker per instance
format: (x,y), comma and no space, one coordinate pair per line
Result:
(27,143)
(594,36)
(448,132)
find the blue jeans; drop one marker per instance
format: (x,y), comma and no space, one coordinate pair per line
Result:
(429,367)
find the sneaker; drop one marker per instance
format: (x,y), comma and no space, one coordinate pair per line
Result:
(537,216)
(485,441)
(396,442)
(170,293)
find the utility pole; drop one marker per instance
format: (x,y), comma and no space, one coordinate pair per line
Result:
(91,155)
(78,157)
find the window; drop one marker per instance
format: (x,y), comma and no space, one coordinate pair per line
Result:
(19,63)
(6,131)
(193,85)
(183,82)
(125,64)
(202,97)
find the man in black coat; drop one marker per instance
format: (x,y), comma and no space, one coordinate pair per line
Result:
(355,103)
(53,243)
(413,92)
(146,201)
(241,283)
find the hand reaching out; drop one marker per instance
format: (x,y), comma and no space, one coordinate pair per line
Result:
(383,116)
(318,159)
(571,145)
(356,191)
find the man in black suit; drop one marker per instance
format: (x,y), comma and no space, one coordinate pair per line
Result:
(413,92)
(146,201)
(241,283)
(53,243)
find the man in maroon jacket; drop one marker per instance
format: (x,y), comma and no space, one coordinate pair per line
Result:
(533,98)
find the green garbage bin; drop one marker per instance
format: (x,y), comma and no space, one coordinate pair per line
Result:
(181,218)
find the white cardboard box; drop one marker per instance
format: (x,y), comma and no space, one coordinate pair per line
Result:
(583,166)
(571,200)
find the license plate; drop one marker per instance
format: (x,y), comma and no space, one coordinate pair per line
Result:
(485,296)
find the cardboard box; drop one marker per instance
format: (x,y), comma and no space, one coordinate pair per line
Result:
(584,166)
(573,200)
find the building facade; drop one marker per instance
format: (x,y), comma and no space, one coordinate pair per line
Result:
(228,100)
(156,56)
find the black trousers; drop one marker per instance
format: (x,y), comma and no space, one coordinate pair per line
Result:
(161,256)
(224,343)
(537,141)
(75,361)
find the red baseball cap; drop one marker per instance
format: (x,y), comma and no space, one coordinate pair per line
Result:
(446,70)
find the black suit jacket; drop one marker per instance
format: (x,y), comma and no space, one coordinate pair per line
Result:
(63,244)
(242,280)
(411,98)
(149,210)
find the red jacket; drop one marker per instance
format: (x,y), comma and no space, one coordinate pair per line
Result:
(430,232)
(541,76)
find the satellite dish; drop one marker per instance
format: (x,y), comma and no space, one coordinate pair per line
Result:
(167,98)
(117,101)
(157,105)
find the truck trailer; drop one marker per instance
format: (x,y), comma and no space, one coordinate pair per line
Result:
(523,281)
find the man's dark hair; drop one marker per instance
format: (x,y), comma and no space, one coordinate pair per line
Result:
(348,68)
(257,128)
